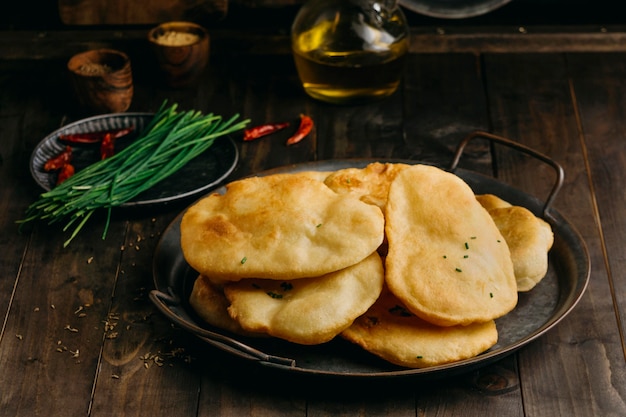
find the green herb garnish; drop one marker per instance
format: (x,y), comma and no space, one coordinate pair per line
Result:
(274,295)
(170,140)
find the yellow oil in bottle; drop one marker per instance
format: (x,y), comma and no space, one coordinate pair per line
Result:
(346,56)
(348,77)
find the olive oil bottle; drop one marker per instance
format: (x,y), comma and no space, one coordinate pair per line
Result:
(349,51)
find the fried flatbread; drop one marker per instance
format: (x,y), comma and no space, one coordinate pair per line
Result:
(370,184)
(208,301)
(310,310)
(529,238)
(490,201)
(447,261)
(283,226)
(315,175)
(391,332)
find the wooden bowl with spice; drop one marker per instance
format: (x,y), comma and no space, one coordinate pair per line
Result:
(102,80)
(182,51)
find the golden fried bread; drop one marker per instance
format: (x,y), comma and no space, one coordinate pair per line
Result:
(490,201)
(309,310)
(283,226)
(391,332)
(529,239)
(447,261)
(370,184)
(209,302)
(315,175)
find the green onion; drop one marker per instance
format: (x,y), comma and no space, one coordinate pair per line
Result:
(274,295)
(169,141)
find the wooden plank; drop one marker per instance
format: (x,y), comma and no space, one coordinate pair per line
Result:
(43,359)
(62,43)
(517,39)
(143,358)
(59,346)
(14,157)
(368,130)
(597,82)
(490,391)
(128,12)
(531,103)
(268,91)
(443,102)
(235,387)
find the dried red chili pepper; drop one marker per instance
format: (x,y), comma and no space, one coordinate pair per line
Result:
(263,130)
(58,161)
(306,124)
(94,137)
(107,146)
(65,172)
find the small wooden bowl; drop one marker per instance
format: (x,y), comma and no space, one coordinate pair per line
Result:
(182,51)
(102,80)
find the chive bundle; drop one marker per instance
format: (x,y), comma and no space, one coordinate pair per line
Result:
(169,141)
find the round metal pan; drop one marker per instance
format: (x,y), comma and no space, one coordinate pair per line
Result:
(453,9)
(537,311)
(196,177)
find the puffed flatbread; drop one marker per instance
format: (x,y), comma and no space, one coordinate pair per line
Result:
(370,184)
(490,201)
(447,261)
(529,239)
(310,310)
(315,175)
(391,332)
(210,304)
(283,226)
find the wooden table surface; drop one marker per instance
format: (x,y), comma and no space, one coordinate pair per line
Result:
(79,335)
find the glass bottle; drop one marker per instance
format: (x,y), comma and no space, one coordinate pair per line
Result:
(349,51)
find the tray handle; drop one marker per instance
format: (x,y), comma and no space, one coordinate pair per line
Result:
(560,174)
(165,302)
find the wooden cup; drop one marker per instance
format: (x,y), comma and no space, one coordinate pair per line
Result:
(182,51)
(102,80)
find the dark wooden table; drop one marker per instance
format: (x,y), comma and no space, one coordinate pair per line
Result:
(79,335)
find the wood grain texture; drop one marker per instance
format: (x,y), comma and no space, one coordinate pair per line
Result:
(525,89)
(80,337)
(127,12)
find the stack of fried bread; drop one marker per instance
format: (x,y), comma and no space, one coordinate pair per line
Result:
(402,260)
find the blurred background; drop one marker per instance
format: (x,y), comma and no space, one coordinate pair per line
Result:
(278,14)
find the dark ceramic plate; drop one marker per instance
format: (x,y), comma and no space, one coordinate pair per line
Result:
(537,311)
(200,174)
